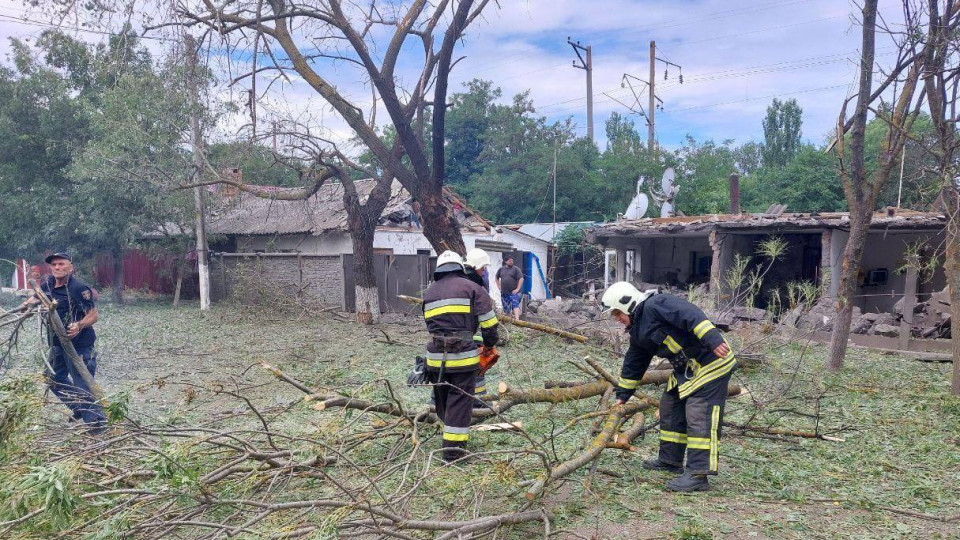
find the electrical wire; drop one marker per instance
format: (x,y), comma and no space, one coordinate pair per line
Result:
(31,22)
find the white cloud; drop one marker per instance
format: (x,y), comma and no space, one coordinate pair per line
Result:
(735,55)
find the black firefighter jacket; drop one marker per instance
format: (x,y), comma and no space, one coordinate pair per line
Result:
(454,308)
(679,331)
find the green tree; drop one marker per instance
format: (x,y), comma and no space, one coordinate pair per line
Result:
(781,132)
(624,161)
(516,164)
(42,125)
(810,182)
(127,174)
(921,185)
(468,122)
(703,176)
(74,146)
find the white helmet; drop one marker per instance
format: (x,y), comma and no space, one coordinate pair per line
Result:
(623,296)
(449,261)
(477,258)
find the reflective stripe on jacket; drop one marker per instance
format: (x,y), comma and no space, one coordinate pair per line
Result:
(679,331)
(454,308)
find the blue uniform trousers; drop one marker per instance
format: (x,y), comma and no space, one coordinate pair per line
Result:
(67,384)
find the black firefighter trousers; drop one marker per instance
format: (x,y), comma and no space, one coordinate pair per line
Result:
(454,399)
(692,426)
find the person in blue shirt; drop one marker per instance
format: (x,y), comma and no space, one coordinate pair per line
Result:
(76,306)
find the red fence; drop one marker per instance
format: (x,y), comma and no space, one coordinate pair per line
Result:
(156,273)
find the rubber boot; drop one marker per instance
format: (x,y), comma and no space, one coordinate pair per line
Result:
(456,455)
(687,483)
(654,464)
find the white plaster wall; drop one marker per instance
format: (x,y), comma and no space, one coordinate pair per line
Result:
(541,249)
(403,242)
(336,243)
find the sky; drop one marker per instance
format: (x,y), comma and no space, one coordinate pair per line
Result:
(735,57)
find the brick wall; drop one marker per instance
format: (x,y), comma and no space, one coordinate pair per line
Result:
(271,277)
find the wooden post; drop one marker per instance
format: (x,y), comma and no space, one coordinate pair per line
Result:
(621,264)
(909,301)
(717,262)
(176,290)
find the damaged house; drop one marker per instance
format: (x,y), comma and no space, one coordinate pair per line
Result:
(687,251)
(304,246)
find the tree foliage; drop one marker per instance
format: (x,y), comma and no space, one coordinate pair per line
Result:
(500,156)
(781,132)
(88,145)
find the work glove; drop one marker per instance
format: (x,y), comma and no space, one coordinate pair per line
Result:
(418,375)
(488,357)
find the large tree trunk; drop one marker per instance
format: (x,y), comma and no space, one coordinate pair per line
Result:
(367,298)
(951,200)
(440,224)
(362,220)
(118,276)
(856,191)
(847,290)
(861,189)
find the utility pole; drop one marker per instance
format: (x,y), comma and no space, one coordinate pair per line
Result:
(586,64)
(651,104)
(554,195)
(653,101)
(202,262)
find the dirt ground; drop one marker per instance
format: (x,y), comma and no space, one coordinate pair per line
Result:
(900,454)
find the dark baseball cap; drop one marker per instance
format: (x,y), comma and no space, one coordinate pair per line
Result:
(58,255)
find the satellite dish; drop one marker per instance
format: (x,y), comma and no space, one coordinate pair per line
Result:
(666,210)
(638,207)
(666,183)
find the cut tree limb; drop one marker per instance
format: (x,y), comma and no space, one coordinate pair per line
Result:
(517,322)
(597,445)
(56,324)
(785,432)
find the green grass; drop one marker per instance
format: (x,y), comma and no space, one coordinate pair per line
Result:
(900,427)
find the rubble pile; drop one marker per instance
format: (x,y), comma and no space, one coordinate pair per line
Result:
(575,315)
(931,318)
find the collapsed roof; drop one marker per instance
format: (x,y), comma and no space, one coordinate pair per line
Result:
(324,211)
(692,226)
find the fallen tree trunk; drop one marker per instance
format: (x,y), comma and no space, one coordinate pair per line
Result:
(615,417)
(517,322)
(543,328)
(57,326)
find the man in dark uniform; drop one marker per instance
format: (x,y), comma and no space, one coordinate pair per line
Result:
(77,309)
(691,408)
(475,265)
(454,308)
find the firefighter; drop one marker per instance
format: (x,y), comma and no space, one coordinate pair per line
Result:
(475,264)
(454,308)
(691,408)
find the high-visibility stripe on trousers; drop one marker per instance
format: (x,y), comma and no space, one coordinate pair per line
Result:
(453,397)
(690,427)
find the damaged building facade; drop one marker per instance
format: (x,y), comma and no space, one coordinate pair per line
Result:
(304,246)
(691,250)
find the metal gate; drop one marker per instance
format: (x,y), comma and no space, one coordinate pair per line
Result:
(396,274)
